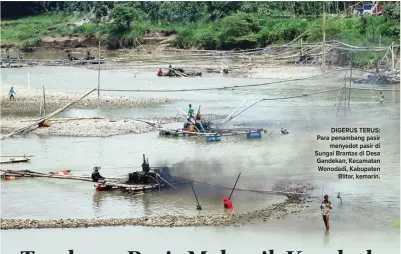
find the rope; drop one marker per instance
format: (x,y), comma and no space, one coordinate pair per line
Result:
(215,88)
(374,89)
(283,98)
(243,189)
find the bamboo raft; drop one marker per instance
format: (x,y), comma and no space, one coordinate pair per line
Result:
(155,179)
(212,134)
(15,160)
(197,128)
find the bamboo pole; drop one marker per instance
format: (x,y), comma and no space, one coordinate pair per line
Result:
(350,82)
(98,83)
(198,207)
(14,156)
(69,119)
(324,40)
(392,58)
(29,81)
(234,185)
(44,101)
(228,118)
(341,98)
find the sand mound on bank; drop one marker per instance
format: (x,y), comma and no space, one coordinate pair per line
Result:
(91,127)
(30,100)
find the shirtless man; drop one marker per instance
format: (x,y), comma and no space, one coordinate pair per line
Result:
(326,209)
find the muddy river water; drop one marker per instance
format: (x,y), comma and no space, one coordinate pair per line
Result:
(360,223)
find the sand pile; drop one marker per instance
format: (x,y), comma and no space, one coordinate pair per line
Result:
(90,127)
(30,100)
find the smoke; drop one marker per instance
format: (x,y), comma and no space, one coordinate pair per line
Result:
(195,168)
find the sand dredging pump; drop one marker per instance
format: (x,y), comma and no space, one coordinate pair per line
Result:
(159,175)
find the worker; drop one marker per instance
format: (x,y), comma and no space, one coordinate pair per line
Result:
(190,111)
(381,97)
(159,72)
(227,203)
(284,131)
(326,209)
(96,175)
(170,69)
(11,93)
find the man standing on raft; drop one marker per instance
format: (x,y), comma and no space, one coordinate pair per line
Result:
(326,209)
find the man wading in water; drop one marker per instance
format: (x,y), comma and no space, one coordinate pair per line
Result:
(326,209)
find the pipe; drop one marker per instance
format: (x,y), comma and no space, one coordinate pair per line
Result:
(228,118)
(172,186)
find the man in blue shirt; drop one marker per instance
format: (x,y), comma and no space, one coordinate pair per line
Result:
(11,93)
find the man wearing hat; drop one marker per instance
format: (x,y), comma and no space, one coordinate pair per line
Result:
(96,175)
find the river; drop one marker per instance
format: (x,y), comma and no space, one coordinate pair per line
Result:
(361,222)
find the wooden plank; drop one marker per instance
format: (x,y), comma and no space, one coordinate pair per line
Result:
(15,160)
(20,156)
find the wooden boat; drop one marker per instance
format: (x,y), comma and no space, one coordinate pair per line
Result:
(15,160)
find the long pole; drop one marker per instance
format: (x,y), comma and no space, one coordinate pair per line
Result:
(98,83)
(324,40)
(392,58)
(234,186)
(29,81)
(341,98)
(44,101)
(350,81)
(199,206)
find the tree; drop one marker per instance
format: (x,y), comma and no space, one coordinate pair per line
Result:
(239,30)
(391,12)
(219,9)
(123,14)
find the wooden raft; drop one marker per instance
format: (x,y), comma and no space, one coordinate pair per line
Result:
(15,160)
(129,187)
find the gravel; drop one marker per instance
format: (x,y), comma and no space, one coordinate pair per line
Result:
(29,100)
(90,127)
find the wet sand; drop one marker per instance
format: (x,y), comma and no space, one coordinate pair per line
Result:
(292,205)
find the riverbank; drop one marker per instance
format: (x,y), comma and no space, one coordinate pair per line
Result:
(292,205)
(90,127)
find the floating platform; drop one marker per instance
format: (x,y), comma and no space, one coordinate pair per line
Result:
(15,160)
(180,74)
(213,135)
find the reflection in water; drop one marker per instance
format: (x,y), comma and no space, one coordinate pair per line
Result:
(326,238)
(146,204)
(97,202)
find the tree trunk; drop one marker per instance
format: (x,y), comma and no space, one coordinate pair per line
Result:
(293,9)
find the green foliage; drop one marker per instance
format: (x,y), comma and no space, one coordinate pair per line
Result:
(220,9)
(396,224)
(124,14)
(208,25)
(29,30)
(392,12)
(239,30)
